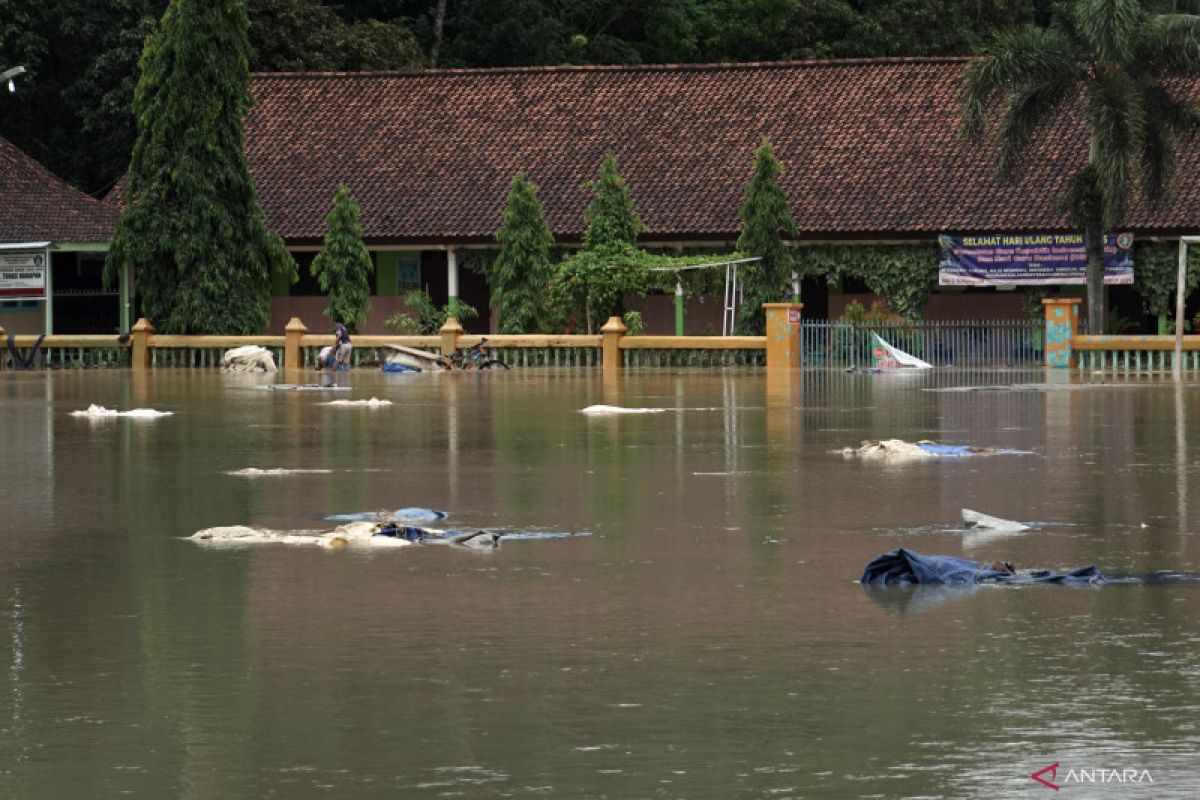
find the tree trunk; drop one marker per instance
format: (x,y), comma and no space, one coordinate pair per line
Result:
(439,21)
(1093,241)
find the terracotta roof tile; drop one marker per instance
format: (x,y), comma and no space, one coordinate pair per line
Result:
(870,149)
(36,205)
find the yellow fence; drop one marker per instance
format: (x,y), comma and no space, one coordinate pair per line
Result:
(144,349)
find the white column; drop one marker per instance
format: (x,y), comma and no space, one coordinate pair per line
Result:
(451,277)
(49,294)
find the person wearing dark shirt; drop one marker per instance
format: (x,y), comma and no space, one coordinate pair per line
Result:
(341,346)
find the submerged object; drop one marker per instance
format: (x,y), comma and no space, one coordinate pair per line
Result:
(367,534)
(886,357)
(601,410)
(410,359)
(100,412)
(359,534)
(374,402)
(248,358)
(986,522)
(901,449)
(903,567)
(411,514)
(305,387)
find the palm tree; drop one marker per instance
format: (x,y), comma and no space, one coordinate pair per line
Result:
(1112,62)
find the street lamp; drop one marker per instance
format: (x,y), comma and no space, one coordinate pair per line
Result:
(9,74)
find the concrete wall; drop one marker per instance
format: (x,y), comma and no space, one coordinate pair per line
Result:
(311,311)
(23,321)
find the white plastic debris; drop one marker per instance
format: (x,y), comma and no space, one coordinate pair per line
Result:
(100,412)
(891,449)
(255,472)
(986,522)
(601,410)
(248,358)
(351,534)
(374,402)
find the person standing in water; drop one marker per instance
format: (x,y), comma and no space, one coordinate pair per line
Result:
(341,346)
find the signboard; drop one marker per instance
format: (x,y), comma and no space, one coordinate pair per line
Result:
(1029,259)
(794,316)
(23,275)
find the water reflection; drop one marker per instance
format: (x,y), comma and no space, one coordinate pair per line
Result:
(707,641)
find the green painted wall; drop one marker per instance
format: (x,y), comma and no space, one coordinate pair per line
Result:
(385,273)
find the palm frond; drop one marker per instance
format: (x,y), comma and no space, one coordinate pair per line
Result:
(1027,57)
(1111,27)
(1028,111)
(1167,119)
(1169,45)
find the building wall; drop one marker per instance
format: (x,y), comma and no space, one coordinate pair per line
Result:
(311,311)
(19,320)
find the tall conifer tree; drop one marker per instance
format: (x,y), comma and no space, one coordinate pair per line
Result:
(521,272)
(193,231)
(343,269)
(765,220)
(594,281)
(612,220)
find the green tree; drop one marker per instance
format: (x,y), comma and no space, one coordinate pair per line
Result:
(765,221)
(1113,62)
(522,271)
(343,268)
(594,281)
(193,231)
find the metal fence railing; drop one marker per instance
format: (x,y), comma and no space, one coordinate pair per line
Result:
(959,343)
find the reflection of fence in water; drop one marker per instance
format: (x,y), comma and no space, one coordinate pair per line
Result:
(959,343)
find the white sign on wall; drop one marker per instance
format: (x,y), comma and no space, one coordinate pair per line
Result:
(23,275)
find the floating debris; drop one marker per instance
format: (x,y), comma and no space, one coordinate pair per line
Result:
(374,402)
(254,472)
(248,358)
(602,410)
(985,522)
(898,449)
(411,514)
(100,412)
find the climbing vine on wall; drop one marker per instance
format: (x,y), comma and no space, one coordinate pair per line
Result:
(1156,271)
(903,275)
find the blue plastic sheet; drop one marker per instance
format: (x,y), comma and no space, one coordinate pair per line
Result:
(903,567)
(411,514)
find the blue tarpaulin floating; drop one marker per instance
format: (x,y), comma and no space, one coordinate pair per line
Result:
(902,567)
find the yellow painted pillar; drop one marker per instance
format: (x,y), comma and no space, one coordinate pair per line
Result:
(783,335)
(1062,325)
(143,332)
(293,332)
(450,332)
(3,346)
(612,332)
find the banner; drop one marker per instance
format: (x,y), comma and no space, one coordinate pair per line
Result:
(1040,259)
(23,275)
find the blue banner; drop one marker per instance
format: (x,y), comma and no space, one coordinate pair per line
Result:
(1039,259)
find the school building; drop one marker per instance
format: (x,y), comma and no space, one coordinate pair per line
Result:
(870,150)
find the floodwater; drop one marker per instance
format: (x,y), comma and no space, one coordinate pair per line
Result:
(708,640)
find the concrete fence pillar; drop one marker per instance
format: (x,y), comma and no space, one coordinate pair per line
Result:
(450,332)
(783,335)
(612,332)
(1062,325)
(143,333)
(293,332)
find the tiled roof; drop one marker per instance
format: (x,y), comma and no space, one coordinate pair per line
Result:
(869,148)
(35,205)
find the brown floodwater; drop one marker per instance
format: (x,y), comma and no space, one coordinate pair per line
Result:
(707,640)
